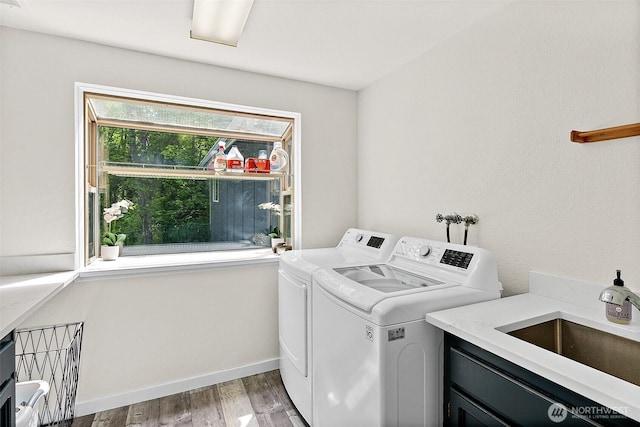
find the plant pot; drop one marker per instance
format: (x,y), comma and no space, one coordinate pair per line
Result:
(109,253)
(275,241)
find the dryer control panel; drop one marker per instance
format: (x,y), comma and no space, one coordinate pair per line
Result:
(376,244)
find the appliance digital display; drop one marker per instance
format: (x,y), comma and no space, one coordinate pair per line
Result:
(375,242)
(456,258)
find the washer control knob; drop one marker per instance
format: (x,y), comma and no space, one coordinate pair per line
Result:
(359,237)
(425,251)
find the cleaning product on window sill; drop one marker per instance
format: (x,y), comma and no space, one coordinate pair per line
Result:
(253,165)
(279,158)
(235,160)
(259,165)
(219,162)
(619,313)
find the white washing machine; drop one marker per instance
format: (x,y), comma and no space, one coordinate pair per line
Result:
(294,303)
(376,361)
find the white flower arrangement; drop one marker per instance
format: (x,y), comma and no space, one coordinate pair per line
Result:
(113,213)
(275,208)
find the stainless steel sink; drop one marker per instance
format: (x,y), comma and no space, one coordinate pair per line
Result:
(603,351)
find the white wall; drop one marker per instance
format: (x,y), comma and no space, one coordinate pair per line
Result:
(481,125)
(154,335)
(37,132)
(145,331)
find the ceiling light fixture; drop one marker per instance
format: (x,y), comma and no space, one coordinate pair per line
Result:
(219,21)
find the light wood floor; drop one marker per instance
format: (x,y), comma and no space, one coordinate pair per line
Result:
(258,400)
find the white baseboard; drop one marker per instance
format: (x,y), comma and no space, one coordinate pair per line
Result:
(134,396)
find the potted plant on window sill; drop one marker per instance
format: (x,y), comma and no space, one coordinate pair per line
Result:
(275,234)
(276,237)
(112,243)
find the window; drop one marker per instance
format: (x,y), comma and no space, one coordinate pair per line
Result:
(156,151)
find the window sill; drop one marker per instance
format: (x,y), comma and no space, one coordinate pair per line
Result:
(168,263)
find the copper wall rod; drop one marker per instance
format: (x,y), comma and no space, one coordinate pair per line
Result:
(606,134)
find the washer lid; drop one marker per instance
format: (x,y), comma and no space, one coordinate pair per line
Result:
(386,278)
(356,247)
(369,288)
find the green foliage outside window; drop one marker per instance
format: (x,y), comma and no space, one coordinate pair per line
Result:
(168,210)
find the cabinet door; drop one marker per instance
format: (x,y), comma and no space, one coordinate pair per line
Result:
(7,381)
(505,395)
(491,390)
(7,403)
(465,413)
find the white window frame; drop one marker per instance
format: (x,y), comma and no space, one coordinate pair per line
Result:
(81,162)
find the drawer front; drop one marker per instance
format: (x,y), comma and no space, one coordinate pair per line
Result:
(503,395)
(466,413)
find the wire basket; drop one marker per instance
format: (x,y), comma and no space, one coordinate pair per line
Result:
(52,354)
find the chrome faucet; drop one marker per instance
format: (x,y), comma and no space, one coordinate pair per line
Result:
(618,294)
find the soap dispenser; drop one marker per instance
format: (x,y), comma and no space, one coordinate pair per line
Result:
(618,313)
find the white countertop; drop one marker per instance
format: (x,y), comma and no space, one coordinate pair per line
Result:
(22,295)
(548,298)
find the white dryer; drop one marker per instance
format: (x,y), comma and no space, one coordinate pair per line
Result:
(376,361)
(294,303)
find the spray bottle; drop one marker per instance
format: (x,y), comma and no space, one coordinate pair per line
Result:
(219,162)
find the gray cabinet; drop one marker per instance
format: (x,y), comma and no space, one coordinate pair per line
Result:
(7,381)
(482,389)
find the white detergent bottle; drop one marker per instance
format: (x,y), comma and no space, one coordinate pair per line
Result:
(235,160)
(279,158)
